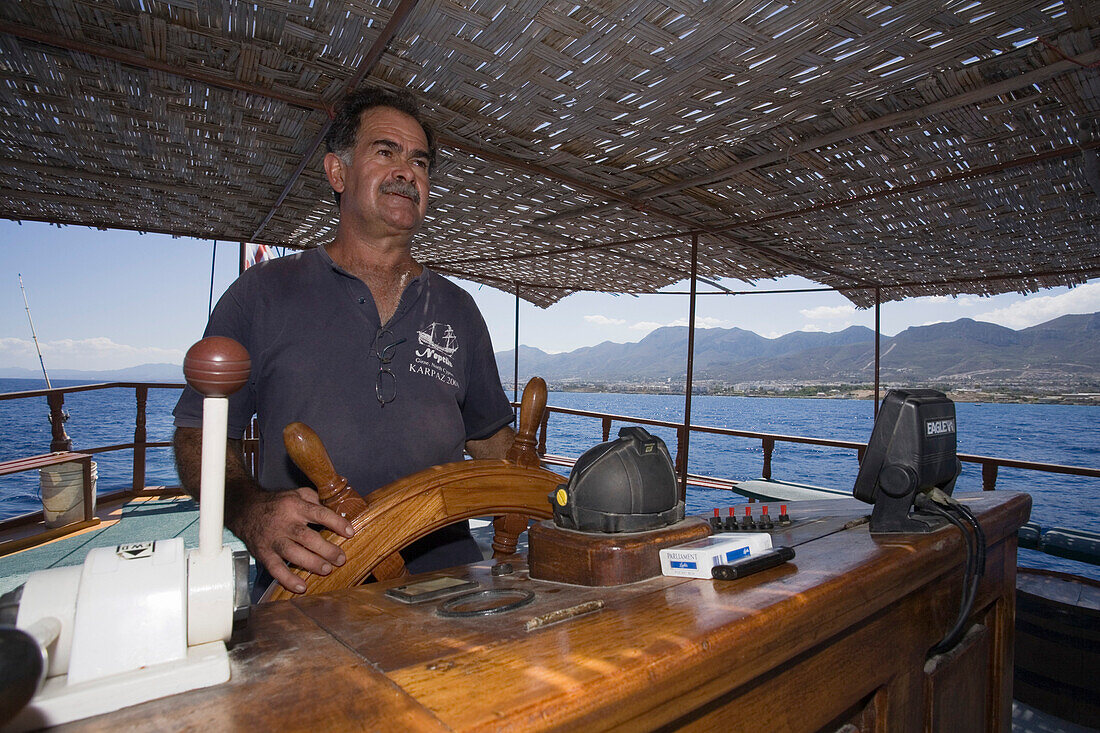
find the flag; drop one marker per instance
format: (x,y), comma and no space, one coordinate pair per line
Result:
(254,254)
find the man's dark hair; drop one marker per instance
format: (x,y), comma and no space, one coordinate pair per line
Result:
(341,136)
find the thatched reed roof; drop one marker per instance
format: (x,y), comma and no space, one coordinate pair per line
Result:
(921,148)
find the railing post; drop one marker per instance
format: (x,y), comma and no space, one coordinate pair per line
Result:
(606,429)
(769,445)
(989,476)
(542,432)
(142,396)
(61,441)
(86,486)
(681,431)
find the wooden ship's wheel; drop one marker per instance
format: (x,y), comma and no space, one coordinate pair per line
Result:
(512,490)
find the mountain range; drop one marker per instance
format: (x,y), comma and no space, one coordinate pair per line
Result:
(140,373)
(1061,353)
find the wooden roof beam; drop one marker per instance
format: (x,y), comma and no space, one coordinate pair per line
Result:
(503,283)
(689,227)
(1085,272)
(106,225)
(138,61)
(1063,152)
(881,123)
(837,203)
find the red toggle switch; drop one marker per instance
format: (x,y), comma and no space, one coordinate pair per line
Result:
(766,521)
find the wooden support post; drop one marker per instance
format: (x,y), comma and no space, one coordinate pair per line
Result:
(606,429)
(60,440)
(515,365)
(874,410)
(769,445)
(142,396)
(682,454)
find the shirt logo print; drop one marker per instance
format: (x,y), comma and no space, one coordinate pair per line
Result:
(439,342)
(434,359)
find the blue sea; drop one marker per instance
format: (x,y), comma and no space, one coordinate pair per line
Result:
(1063,434)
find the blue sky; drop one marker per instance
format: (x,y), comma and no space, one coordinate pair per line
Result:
(112,299)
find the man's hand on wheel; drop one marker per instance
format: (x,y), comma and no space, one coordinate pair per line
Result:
(275,527)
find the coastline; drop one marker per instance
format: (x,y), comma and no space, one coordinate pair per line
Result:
(1002,395)
(838,392)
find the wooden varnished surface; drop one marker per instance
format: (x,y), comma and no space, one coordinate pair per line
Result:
(580,558)
(839,635)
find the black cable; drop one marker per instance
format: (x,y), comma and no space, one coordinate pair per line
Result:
(971,575)
(970,587)
(969,515)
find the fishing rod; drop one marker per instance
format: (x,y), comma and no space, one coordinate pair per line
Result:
(41,361)
(33,334)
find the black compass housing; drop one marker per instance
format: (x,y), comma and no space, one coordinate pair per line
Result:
(624,485)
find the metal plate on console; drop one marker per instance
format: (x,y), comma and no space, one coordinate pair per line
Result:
(485,602)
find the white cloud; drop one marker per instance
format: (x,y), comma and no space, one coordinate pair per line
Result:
(16,348)
(648,326)
(604,320)
(833,317)
(1041,308)
(703,322)
(829,313)
(92,353)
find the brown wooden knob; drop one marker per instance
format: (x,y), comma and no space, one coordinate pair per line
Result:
(216,366)
(308,452)
(305,448)
(523,451)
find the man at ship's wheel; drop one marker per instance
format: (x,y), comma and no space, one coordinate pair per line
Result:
(388,362)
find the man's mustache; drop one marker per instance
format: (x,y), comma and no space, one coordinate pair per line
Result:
(401,188)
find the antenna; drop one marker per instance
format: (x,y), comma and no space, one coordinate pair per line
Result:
(33,334)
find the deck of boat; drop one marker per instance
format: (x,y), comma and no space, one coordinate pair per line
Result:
(155,517)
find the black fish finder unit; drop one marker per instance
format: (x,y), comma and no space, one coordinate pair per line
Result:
(912,450)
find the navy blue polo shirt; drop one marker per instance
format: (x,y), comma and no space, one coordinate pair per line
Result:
(321,356)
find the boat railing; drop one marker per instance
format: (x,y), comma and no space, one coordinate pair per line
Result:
(60,440)
(990,464)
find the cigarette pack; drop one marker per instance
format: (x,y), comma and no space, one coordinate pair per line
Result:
(695,559)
